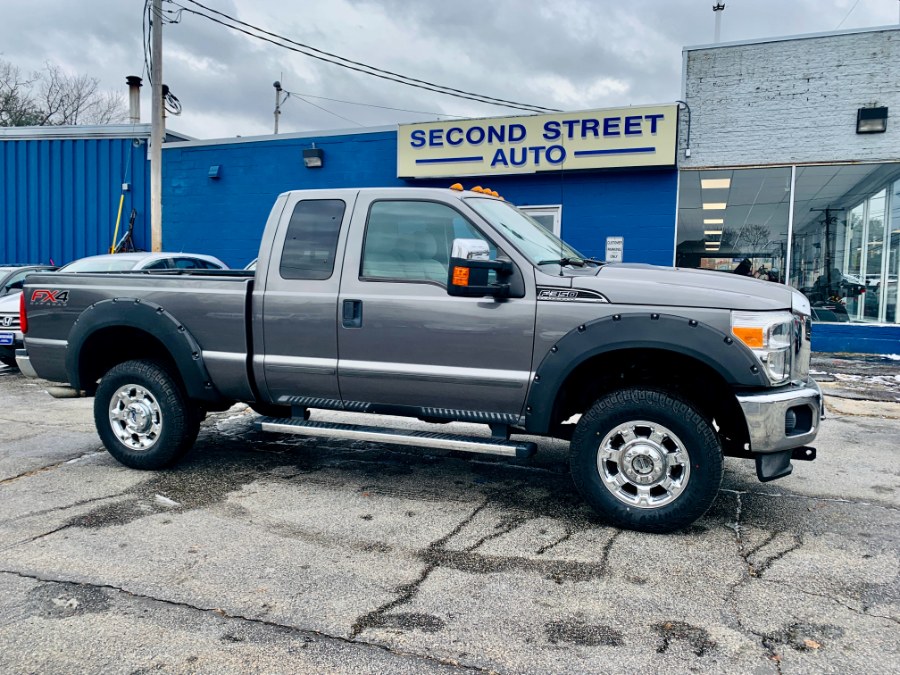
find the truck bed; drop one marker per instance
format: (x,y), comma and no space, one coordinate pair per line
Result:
(212,305)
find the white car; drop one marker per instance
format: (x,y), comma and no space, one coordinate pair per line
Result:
(10,333)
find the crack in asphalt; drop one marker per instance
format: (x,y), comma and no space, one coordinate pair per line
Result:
(553,544)
(835,500)
(408,591)
(50,467)
(304,632)
(856,610)
(36,537)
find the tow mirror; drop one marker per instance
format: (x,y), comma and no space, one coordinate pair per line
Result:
(470,270)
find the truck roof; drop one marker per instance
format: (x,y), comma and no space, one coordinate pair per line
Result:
(478,191)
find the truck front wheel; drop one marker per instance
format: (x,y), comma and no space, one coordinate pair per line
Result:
(646,460)
(143,416)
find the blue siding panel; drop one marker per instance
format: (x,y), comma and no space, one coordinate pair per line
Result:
(856,338)
(59,197)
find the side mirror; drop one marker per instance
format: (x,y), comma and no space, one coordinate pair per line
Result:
(470,267)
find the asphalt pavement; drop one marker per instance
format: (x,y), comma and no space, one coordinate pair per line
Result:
(270,553)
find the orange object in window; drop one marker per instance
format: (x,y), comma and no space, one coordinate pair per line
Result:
(460,276)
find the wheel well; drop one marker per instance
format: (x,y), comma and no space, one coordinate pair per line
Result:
(670,371)
(110,346)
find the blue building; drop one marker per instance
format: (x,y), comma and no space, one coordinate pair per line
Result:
(60,189)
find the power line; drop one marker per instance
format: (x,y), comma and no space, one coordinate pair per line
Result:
(330,112)
(848,14)
(383,107)
(357,66)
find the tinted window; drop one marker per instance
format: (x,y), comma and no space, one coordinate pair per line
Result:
(158,265)
(311,241)
(189,264)
(411,241)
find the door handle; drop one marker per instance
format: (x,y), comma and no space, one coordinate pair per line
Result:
(351,314)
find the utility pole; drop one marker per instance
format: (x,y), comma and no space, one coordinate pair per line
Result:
(278,90)
(156,127)
(718,8)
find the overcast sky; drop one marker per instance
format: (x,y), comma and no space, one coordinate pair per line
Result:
(567,54)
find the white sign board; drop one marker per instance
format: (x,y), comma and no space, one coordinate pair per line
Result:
(614,248)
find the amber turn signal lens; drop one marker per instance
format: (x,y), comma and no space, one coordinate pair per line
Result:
(749,335)
(460,276)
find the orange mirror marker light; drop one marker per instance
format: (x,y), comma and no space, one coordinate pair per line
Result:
(460,276)
(457,186)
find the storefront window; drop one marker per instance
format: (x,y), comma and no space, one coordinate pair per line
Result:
(735,221)
(846,242)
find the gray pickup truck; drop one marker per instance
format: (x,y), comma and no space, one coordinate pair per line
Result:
(446,305)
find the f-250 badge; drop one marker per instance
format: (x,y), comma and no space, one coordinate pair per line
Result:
(44,296)
(568,295)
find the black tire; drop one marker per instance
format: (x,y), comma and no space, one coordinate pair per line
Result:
(699,468)
(178,418)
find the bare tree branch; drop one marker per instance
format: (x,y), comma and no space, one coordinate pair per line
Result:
(53,97)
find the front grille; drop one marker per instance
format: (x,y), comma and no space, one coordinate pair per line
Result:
(9,322)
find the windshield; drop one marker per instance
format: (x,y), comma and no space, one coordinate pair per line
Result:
(100,265)
(534,241)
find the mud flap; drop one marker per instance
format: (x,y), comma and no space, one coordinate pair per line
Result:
(772,465)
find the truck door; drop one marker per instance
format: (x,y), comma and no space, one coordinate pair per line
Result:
(295,310)
(403,341)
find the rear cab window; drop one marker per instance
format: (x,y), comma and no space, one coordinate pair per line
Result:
(310,244)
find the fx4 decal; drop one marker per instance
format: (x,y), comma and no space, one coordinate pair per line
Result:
(43,296)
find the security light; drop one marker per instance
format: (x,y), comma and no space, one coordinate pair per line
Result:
(313,158)
(871,120)
(714,206)
(715,183)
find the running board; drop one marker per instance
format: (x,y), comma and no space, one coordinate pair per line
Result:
(422,439)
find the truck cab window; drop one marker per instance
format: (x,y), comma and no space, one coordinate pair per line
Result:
(311,240)
(411,240)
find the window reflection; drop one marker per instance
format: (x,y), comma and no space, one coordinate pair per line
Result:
(845,243)
(734,221)
(845,247)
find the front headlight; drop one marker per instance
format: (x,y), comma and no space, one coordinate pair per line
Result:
(768,334)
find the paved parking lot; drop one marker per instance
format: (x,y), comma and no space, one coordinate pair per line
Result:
(270,553)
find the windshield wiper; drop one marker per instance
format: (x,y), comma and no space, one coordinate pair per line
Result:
(575,262)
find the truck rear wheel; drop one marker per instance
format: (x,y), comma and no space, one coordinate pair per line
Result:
(646,460)
(143,416)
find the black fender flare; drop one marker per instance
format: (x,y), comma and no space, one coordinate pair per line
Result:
(153,320)
(650,330)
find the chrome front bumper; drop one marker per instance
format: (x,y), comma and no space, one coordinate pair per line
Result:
(24,363)
(767,414)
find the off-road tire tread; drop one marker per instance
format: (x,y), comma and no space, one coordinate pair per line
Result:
(702,445)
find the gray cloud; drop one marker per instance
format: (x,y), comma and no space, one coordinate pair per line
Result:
(566,54)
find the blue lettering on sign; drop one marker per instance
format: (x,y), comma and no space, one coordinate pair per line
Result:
(653,119)
(611,126)
(591,125)
(551,130)
(497,134)
(570,125)
(474,133)
(536,153)
(560,156)
(516,133)
(499,158)
(450,132)
(522,160)
(436,137)
(418,138)
(633,125)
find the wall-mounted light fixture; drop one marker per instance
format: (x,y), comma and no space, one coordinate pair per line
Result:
(314,158)
(215,171)
(871,120)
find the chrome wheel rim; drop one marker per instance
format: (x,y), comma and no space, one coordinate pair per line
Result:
(135,417)
(643,464)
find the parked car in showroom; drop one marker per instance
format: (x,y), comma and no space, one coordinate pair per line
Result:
(10,333)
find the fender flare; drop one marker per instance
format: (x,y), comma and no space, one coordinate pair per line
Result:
(153,320)
(726,355)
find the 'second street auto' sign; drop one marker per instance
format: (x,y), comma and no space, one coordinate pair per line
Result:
(591,139)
